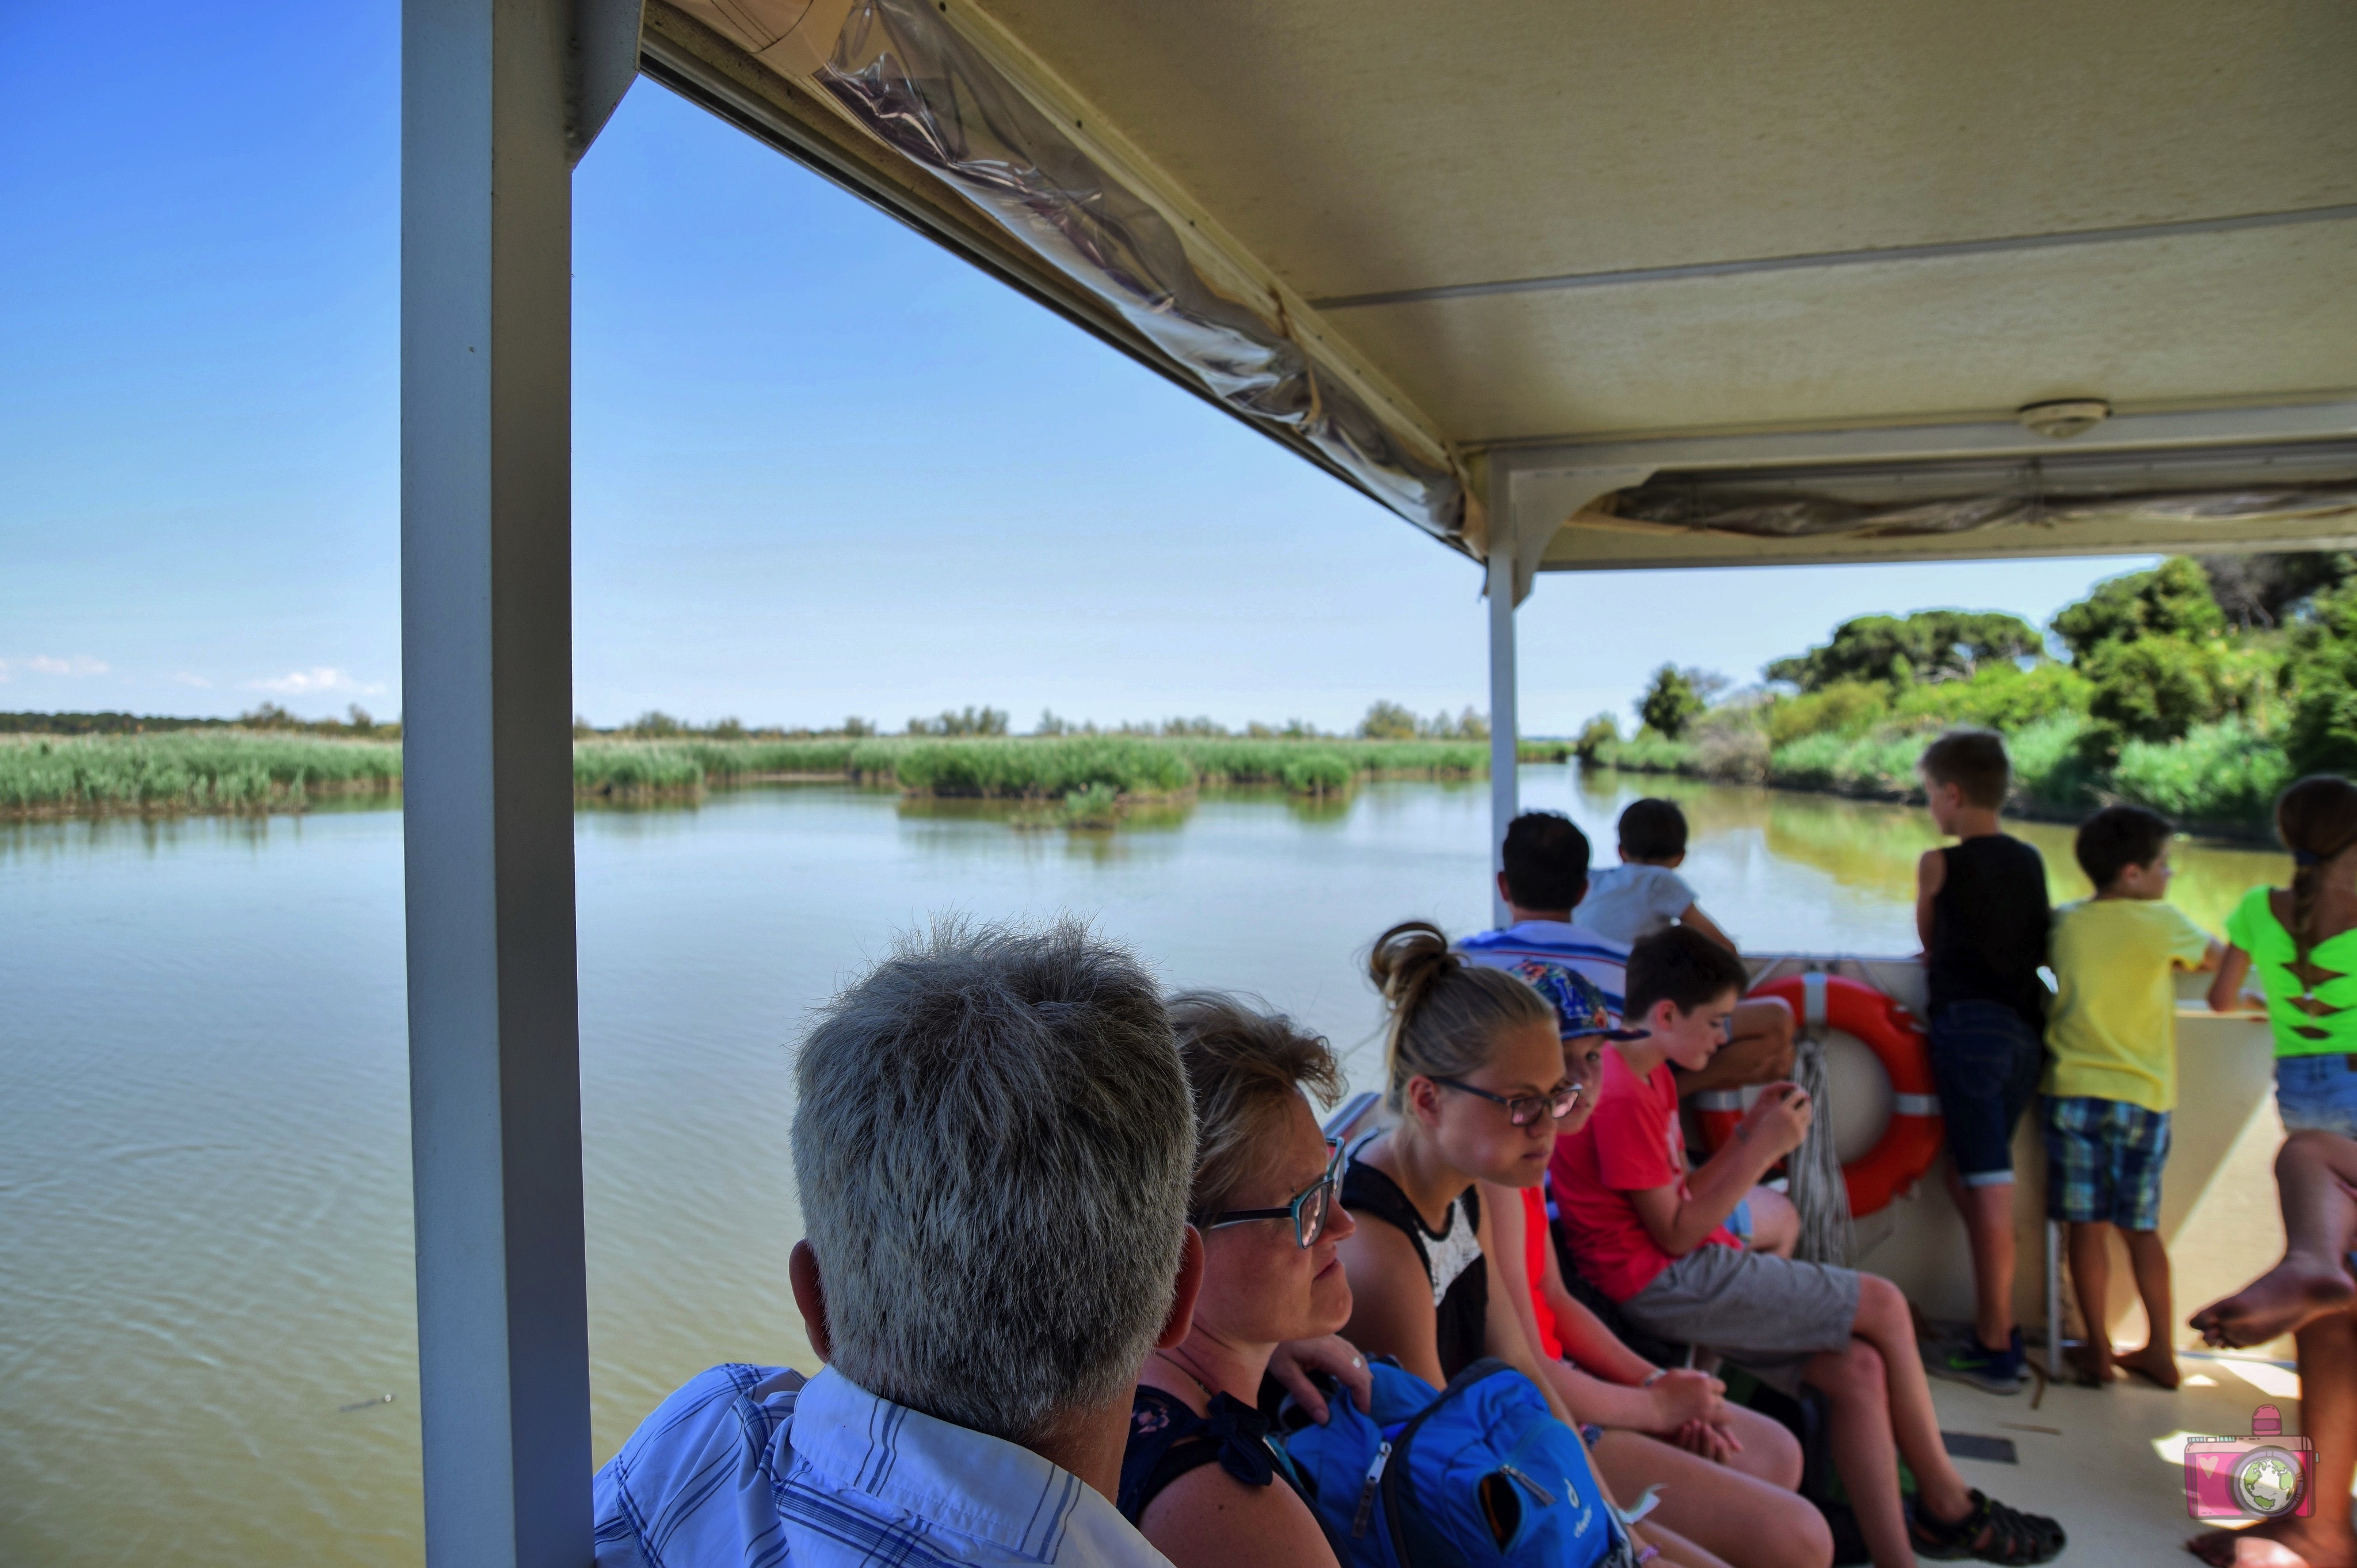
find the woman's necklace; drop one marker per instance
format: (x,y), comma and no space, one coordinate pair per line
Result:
(1189,1373)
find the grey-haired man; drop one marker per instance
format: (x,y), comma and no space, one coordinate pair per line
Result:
(994,1141)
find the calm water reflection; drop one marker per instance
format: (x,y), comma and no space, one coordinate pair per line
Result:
(204,1232)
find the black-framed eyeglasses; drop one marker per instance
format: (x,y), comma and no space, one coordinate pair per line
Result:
(1308,1210)
(1522,1110)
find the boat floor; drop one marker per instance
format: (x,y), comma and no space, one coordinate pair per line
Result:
(2108,1462)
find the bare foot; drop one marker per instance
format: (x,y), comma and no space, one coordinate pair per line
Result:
(2291,1542)
(2156,1363)
(2293,1293)
(2092,1364)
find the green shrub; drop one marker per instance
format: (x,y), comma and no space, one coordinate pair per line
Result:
(1094,806)
(2219,773)
(1843,708)
(2001,696)
(1319,773)
(2158,689)
(1650,752)
(1597,732)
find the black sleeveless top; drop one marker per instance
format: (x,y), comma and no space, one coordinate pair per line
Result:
(1167,1440)
(1989,922)
(1463,1326)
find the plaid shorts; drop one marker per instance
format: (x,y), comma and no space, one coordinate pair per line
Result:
(2104,1160)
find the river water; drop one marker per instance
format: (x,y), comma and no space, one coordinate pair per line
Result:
(205,1286)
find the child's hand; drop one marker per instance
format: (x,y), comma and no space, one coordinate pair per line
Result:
(1779,1119)
(1684,1397)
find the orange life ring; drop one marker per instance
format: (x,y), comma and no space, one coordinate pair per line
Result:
(1912,1140)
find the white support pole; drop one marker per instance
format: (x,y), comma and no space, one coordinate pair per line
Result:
(1504,750)
(489,125)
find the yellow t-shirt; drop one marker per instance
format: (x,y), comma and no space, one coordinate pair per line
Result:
(2113,1028)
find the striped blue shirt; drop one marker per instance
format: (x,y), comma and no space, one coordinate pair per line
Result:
(1529,948)
(751,1467)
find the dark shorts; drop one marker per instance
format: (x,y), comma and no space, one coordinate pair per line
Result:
(1987,1060)
(2102,1162)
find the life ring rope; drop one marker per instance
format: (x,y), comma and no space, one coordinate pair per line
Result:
(1911,1141)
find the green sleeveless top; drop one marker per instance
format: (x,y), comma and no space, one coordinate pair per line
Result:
(2312,1018)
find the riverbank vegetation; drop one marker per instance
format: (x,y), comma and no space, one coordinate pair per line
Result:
(2198,689)
(228,769)
(207,769)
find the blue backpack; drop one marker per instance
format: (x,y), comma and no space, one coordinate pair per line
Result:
(1478,1473)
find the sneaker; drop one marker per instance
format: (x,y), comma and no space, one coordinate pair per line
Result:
(1994,1371)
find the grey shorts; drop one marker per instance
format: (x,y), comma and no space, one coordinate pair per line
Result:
(1767,1314)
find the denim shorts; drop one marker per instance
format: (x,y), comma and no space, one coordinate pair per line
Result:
(1987,1060)
(2317,1094)
(2102,1162)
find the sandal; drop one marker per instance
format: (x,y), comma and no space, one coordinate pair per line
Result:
(1990,1530)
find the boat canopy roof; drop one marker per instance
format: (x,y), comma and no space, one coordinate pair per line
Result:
(1652,285)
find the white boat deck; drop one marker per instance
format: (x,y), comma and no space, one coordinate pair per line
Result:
(2107,1462)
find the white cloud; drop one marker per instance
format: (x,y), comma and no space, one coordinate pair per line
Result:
(311,683)
(185,679)
(80,664)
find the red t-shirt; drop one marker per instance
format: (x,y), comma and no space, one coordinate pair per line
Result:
(1534,1238)
(1631,1143)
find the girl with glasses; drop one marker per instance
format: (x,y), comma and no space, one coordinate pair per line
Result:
(1481,1082)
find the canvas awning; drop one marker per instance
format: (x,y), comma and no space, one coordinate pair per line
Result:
(1603,246)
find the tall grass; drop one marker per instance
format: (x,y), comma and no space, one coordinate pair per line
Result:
(1039,769)
(185,771)
(244,770)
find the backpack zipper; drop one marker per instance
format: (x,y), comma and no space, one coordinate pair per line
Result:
(1536,1490)
(1364,1518)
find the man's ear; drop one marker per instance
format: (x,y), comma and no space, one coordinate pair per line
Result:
(1504,891)
(1190,1285)
(810,1295)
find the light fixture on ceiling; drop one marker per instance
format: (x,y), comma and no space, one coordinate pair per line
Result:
(2063,417)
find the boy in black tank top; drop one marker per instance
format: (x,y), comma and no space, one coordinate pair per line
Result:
(1981,909)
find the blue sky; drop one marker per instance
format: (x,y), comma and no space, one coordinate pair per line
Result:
(820,468)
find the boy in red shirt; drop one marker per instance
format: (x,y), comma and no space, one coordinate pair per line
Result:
(1652,1234)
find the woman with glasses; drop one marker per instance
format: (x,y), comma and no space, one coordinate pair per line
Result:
(1200,1477)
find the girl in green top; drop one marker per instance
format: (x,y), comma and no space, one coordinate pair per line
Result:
(2301,943)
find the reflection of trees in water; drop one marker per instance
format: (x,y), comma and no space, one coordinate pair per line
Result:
(1859,844)
(1873,846)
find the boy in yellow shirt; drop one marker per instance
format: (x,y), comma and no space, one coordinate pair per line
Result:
(2112,1036)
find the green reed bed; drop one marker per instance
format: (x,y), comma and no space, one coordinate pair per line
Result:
(1031,769)
(234,771)
(185,771)
(684,766)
